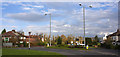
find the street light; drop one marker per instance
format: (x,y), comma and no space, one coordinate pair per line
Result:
(29,39)
(50,27)
(84,20)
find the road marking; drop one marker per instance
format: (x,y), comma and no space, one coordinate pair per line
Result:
(106,53)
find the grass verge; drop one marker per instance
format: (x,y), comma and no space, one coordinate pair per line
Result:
(62,47)
(6,51)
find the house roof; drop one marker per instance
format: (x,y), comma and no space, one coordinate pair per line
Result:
(11,33)
(115,33)
(33,36)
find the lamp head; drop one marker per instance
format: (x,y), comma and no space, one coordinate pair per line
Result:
(90,6)
(29,32)
(45,14)
(80,4)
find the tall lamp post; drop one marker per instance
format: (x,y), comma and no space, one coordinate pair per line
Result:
(84,20)
(29,39)
(50,27)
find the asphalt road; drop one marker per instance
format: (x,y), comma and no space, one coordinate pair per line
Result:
(93,51)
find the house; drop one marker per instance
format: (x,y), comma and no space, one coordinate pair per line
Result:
(13,37)
(115,37)
(78,41)
(105,37)
(33,38)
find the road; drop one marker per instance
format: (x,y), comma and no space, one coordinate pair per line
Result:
(93,51)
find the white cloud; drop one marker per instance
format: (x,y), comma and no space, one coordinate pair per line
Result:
(98,5)
(37,29)
(53,21)
(67,25)
(31,17)
(6,20)
(8,26)
(39,6)
(27,8)
(4,4)
(54,31)
(52,10)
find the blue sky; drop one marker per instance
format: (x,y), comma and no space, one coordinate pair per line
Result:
(66,17)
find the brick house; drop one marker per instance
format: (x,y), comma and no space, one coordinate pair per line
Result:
(34,39)
(14,37)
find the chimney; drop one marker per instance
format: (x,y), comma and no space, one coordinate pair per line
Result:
(13,30)
(118,30)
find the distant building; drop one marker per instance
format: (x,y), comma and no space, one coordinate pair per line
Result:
(115,37)
(33,38)
(105,36)
(79,41)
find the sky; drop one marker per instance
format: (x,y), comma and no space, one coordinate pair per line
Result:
(66,17)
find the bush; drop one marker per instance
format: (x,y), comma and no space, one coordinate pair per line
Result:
(78,46)
(59,41)
(72,46)
(25,44)
(65,45)
(18,44)
(60,45)
(105,46)
(41,44)
(94,43)
(98,44)
(75,46)
(88,41)
(117,47)
(110,46)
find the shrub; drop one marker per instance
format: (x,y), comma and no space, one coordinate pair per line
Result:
(112,46)
(99,44)
(108,46)
(59,45)
(18,44)
(65,45)
(75,46)
(105,46)
(78,46)
(117,47)
(94,43)
(41,44)
(88,41)
(25,44)
(59,41)
(72,46)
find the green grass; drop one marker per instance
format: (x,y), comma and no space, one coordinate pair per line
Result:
(6,51)
(93,47)
(62,47)
(0,51)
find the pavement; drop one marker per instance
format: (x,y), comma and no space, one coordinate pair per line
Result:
(93,51)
